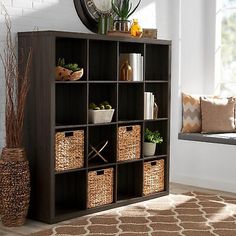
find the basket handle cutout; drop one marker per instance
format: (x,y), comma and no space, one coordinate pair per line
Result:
(129,128)
(153,163)
(100,172)
(69,134)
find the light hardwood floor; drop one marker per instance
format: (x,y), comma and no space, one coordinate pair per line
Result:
(34,226)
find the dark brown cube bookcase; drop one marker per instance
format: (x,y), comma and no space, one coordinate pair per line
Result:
(54,106)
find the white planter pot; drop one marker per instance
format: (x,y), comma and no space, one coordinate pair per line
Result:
(100,116)
(149,149)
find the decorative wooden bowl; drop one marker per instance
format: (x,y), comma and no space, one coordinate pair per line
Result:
(66,74)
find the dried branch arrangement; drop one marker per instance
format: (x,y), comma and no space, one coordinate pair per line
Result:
(17,86)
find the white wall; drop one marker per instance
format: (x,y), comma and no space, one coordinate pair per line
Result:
(195,163)
(189,24)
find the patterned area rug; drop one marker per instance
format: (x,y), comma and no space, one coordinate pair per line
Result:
(190,214)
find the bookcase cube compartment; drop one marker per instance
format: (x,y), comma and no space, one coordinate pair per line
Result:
(133,53)
(70,192)
(131,101)
(160,92)
(102,60)
(162,127)
(73,51)
(99,93)
(157,64)
(71,103)
(129,180)
(98,135)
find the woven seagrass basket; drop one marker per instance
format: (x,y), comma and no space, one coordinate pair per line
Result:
(1,162)
(69,150)
(128,142)
(100,187)
(153,176)
(15,187)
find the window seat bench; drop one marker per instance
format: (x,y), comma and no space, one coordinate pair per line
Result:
(223,138)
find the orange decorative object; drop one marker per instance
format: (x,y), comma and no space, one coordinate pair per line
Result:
(136,30)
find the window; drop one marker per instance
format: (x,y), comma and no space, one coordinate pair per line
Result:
(228,48)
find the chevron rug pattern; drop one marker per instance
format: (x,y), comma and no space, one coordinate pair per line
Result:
(190,214)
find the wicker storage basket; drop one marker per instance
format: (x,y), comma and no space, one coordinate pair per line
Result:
(153,176)
(15,187)
(128,142)
(69,150)
(100,187)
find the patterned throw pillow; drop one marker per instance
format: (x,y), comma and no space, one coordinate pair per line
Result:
(218,115)
(191,113)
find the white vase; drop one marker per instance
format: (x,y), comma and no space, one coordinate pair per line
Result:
(149,149)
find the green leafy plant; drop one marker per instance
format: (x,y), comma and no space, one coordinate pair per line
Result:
(123,8)
(74,67)
(152,137)
(102,106)
(61,62)
(71,66)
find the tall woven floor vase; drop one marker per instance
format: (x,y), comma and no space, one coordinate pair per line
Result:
(15,187)
(0,188)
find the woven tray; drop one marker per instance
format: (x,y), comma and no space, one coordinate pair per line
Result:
(69,150)
(128,142)
(153,176)
(100,187)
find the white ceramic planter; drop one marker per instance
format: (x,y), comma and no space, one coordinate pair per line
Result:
(100,116)
(149,149)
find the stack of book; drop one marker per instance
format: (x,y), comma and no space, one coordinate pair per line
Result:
(135,60)
(148,105)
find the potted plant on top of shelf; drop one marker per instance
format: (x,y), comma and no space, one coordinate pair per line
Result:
(151,138)
(123,10)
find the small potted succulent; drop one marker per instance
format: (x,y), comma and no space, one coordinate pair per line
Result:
(101,113)
(151,138)
(69,71)
(123,10)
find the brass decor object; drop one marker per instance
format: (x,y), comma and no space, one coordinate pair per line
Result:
(129,143)
(125,72)
(153,177)
(69,150)
(15,187)
(100,187)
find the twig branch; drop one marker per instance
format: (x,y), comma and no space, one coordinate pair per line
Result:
(17,86)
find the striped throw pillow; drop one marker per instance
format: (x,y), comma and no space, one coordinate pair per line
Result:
(191,113)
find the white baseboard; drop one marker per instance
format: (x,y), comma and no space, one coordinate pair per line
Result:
(205,183)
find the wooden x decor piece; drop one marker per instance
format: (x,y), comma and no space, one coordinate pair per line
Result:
(96,151)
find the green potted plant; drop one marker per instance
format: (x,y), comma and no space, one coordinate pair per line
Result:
(123,10)
(151,138)
(101,113)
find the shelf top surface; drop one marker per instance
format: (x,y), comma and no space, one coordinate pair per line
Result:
(65,34)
